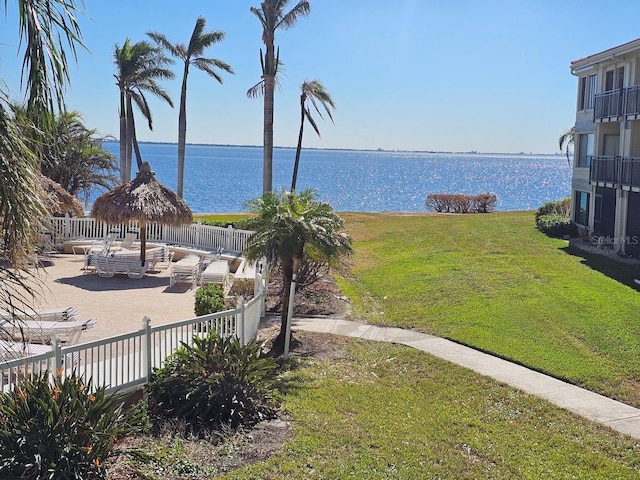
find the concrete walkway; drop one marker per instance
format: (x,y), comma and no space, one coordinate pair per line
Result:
(614,414)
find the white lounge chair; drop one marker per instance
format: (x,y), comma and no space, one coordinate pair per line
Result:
(44,331)
(187,268)
(50,314)
(10,350)
(216,272)
(108,266)
(103,246)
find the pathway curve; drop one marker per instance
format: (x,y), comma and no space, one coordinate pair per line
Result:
(616,415)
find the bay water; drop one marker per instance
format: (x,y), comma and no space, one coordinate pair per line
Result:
(223,178)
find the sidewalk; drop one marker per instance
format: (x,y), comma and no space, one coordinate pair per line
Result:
(614,414)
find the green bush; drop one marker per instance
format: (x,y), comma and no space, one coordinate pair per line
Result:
(214,383)
(560,207)
(61,429)
(557,226)
(209,299)
(238,224)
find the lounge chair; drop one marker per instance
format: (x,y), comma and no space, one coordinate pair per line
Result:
(108,266)
(10,350)
(216,272)
(187,268)
(102,247)
(44,331)
(65,314)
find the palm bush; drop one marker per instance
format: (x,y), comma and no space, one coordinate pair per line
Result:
(217,382)
(61,429)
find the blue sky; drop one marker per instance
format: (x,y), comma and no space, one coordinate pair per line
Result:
(461,75)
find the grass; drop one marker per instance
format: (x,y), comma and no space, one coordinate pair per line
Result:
(385,411)
(380,411)
(494,282)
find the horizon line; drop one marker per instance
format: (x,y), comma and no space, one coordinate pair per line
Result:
(472,152)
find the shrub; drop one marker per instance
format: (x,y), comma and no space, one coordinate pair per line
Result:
(243,287)
(557,226)
(209,299)
(62,429)
(215,383)
(560,207)
(461,203)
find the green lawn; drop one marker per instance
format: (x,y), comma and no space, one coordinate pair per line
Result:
(380,411)
(494,282)
(385,411)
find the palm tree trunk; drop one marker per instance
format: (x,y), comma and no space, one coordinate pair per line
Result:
(123,138)
(267,164)
(287,277)
(129,139)
(182,131)
(294,179)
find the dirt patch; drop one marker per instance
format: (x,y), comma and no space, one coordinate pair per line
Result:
(320,298)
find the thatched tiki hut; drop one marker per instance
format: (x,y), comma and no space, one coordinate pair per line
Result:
(145,200)
(57,200)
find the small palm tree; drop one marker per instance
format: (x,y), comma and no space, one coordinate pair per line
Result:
(139,67)
(191,55)
(289,226)
(273,16)
(319,96)
(566,140)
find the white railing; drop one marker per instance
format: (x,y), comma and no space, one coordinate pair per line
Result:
(196,235)
(125,362)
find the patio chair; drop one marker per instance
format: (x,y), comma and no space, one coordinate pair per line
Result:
(216,272)
(50,314)
(44,331)
(187,268)
(108,266)
(102,247)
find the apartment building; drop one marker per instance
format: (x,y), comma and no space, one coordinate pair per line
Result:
(605,186)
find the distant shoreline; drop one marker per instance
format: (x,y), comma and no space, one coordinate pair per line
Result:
(381,150)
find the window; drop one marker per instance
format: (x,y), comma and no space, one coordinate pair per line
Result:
(585,149)
(587,92)
(581,208)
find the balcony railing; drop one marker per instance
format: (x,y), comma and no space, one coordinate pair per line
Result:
(609,104)
(623,171)
(616,103)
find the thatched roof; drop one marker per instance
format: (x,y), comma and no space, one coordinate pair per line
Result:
(57,200)
(142,199)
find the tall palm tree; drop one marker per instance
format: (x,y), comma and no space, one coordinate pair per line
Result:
(272,16)
(319,96)
(191,55)
(139,66)
(566,140)
(289,226)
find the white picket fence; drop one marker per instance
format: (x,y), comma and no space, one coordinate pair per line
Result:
(196,235)
(125,362)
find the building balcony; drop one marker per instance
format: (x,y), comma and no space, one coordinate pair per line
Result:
(614,104)
(620,171)
(609,104)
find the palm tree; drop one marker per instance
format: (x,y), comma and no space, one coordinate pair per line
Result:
(191,55)
(319,96)
(566,140)
(75,158)
(139,66)
(289,226)
(272,17)
(46,27)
